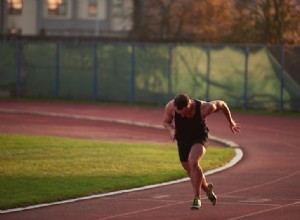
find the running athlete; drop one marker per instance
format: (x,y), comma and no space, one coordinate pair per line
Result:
(184,118)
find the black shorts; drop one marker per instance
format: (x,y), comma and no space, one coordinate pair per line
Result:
(184,148)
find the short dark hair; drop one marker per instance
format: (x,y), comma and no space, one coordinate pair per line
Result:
(181,101)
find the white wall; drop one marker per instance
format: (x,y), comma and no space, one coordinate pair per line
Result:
(27,21)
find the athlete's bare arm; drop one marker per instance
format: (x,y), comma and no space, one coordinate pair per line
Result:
(208,108)
(168,119)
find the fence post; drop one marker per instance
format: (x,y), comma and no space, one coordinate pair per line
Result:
(170,48)
(281,77)
(207,73)
(132,74)
(56,86)
(95,68)
(19,66)
(245,100)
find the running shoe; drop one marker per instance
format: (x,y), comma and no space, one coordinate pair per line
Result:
(210,194)
(196,203)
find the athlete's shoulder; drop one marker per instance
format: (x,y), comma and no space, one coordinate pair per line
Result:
(170,106)
(170,103)
(206,108)
(169,111)
(202,102)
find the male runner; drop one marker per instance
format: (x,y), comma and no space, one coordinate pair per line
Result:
(184,118)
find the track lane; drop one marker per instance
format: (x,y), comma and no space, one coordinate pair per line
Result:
(264,185)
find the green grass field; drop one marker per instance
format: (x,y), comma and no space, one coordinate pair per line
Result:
(36,169)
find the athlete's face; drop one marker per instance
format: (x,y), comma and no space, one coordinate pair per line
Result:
(185,111)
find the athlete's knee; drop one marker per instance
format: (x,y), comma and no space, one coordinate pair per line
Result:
(193,163)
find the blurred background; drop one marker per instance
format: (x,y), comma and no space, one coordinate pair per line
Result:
(246,52)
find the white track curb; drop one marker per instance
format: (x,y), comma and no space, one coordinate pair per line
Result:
(235,160)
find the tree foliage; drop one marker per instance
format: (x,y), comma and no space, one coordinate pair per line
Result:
(268,21)
(219,21)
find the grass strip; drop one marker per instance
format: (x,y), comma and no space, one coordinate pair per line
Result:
(35,169)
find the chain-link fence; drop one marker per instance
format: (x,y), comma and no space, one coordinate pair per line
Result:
(247,76)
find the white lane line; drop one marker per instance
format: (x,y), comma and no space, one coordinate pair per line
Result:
(161,196)
(82,117)
(264,211)
(139,211)
(263,184)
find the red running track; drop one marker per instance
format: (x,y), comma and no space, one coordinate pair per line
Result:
(263,185)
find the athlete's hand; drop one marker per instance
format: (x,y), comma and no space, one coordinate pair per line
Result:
(172,134)
(234,127)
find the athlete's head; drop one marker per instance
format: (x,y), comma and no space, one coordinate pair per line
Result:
(182,104)
(181,101)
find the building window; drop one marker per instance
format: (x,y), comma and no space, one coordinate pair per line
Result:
(92,8)
(57,8)
(14,7)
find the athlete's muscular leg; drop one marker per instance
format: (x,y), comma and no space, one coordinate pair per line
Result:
(204,184)
(196,173)
(186,166)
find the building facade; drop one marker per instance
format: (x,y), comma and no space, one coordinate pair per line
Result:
(107,18)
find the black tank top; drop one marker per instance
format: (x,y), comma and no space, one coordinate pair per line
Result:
(190,129)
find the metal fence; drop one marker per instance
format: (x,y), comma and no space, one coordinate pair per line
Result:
(247,76)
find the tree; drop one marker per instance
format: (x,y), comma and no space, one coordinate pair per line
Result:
(137,18)
(219,21)
(206,20)
(211,20)
(164,19)
(268,21)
